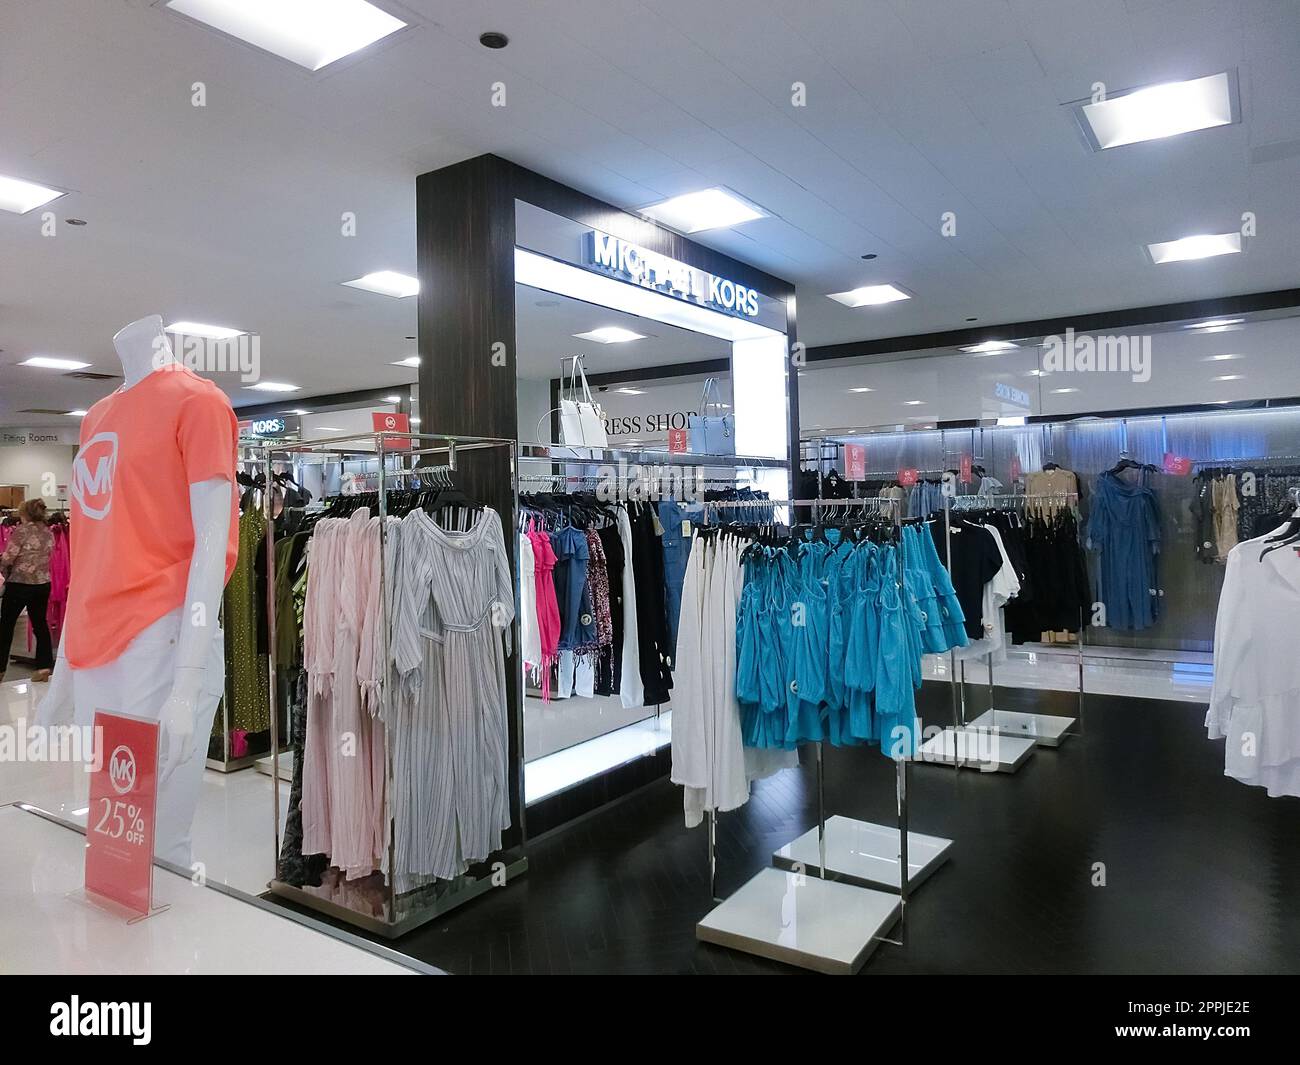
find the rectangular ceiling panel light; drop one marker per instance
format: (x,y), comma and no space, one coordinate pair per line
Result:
(46,362)
(1159,111)
(23,196)
(1201,246)
(311,33)
(610,334)
(870,296)
(387,283)
(988,347)
(201,329)
(707,209)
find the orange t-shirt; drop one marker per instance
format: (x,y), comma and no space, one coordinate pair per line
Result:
(132,539)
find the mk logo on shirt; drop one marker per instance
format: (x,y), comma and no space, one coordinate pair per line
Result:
(92,475)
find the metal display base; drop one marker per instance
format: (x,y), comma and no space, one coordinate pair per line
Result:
(863,853)
(815,924)
(234,765)
(1046,730)
(419,908)
(966,748)
(286,765)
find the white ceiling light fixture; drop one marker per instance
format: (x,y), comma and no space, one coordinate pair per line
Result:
(49,362)
(274,386)
(715,208)
(1230,377)
(1198,246)
(989,347)
(1063,391)
(387,283)
(1221,358)
(631,391)
(1215,323)
(914,402)
(330,429)
(410,360)
(392,399)
(296,410)
(311,33)
(1159,111)
(21,196)
(870,296)
(1012,419)
(609,334)
(201,329)
(862,388)
(76,413)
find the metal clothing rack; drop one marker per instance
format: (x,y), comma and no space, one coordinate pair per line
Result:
(406,910)
(1020,732)
(865,906)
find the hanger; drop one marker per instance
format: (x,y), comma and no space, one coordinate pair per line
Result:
(1289,535)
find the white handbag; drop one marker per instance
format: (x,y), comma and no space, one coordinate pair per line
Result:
(582,421)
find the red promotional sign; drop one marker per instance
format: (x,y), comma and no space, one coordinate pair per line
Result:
(1177,465)
(120,822)
(965,469)
(855,462)
(392,423)
(1016,471)
(907,477)
(677,440)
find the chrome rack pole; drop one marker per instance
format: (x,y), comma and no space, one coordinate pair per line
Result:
(713,856)
(384,686)
(1078,649)
(952,651)
(904,869)
(821,811)
(270,662)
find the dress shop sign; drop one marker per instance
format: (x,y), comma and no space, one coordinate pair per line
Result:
(649,269)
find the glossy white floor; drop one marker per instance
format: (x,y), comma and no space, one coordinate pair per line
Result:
(206,930)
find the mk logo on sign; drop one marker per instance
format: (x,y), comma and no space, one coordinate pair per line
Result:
(121,769)
(92,475)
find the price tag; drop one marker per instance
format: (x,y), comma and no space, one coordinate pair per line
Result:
(120,821)
(677,440)
(387,421)
(907,477)
(855,462)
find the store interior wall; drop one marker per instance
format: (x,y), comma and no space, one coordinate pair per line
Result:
(36,466)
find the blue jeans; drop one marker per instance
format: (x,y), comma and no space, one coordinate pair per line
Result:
(676,552)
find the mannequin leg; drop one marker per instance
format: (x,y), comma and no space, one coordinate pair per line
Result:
(138,683)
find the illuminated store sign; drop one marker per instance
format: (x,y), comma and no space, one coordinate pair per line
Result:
(1011,394)
(264,427)
(649,269)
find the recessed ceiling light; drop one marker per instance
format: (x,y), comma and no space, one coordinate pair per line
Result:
(870,296)
(610,334)
(200,329)
(75,221)
(296,410)
(492,39)
(1038,373)
(1230,377)
(313,35)
(1200,246)
(1159,111)
(76,414)
(989,347)
(410,360)
(915,402)
(707,209)
(328,429)
(869,256)
(274,386)
(631,391)
(1215,323)
(1062,391)
(1221,358)
(392,399)
(862,388)
(387,283)
(22,196)
(47,362)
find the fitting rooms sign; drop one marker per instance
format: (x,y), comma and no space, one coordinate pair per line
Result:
(33,437)
(628,262)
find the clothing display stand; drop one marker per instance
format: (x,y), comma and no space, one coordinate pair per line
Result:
(863,852)
(819,922)
(398,456)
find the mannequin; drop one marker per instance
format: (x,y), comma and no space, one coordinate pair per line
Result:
(139,448)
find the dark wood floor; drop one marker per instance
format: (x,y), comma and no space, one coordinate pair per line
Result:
(1202,873)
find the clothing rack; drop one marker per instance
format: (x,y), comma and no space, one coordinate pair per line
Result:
(1024,731)
(407,910)
(829,869)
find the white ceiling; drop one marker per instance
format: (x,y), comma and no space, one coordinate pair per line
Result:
(231,213)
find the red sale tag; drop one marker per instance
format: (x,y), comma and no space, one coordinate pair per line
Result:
(855,462)
(907,477)
(965,469)
(392,423)
(1177,465)
(677,440)
(120,821)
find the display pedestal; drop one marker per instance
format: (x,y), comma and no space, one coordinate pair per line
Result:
(266,763)
(802,920)
(1046,730)
(863,853)
(988,751)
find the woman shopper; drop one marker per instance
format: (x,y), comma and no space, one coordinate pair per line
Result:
(25,567)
